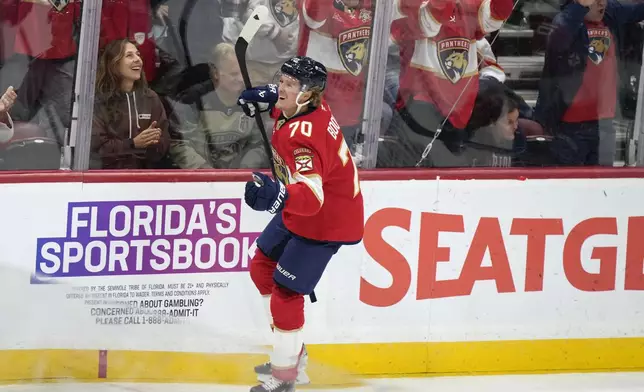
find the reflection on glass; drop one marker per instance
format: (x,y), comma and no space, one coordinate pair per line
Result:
(459,80)
(459,76)
(193,69)
(338,34)
(38,56)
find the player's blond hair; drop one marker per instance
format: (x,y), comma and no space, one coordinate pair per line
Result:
(316,96)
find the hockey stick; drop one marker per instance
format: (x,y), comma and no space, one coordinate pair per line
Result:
(254,22)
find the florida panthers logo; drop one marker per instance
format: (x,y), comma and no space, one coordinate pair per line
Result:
(599,44)
(353,47)
(59,5)
(284,11)
(454,57)
(281,170)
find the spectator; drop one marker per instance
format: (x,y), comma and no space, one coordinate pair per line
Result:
(6,124)
(46,34)
(439,70)
(492,144)
(528,139)
(490,133)
(578,89)
(8,20)
(275,42)
(337,33)
(130,128)
(221,136)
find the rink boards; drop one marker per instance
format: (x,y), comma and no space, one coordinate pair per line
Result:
(139,276)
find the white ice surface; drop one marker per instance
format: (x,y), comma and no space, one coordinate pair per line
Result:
(595,382)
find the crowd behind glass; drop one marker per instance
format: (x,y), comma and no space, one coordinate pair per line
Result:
(485,83)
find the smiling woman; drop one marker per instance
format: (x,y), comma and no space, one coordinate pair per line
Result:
(130,127)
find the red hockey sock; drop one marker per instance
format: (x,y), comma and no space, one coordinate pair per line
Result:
(287,308)
(261,272)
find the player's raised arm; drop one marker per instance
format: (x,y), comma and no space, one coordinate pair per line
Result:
(424,18)
(492,13)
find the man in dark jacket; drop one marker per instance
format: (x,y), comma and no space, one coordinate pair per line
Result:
(578,92)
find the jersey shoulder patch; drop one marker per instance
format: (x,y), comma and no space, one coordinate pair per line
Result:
(303,160)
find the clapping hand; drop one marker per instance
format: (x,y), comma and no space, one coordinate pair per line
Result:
(150,136)
(7,100)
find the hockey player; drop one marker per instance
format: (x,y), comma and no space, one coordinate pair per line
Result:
(317,204)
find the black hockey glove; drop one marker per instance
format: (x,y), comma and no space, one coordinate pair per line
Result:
(265,194)
(265,97)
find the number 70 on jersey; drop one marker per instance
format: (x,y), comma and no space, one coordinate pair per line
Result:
(306,128)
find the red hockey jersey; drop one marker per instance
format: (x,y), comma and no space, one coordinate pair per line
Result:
(312,158)
(339,37)
(443,68)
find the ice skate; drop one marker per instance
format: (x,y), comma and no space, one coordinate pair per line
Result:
(272,384)
(264,372)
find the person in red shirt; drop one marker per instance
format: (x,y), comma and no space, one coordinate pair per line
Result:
(131,19)
(318,207)
(46,33)
(578,88)
(8,20)
(338,32)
